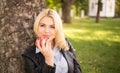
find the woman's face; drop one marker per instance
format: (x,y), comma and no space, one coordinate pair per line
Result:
(47,27)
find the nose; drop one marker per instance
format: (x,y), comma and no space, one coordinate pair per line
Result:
(47,30)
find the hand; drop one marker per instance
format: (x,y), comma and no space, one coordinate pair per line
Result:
(39,39)
(44,46)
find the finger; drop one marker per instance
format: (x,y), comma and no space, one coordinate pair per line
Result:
(38,45)
(48,44)
(43,43)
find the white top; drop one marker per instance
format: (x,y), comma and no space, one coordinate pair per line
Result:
(59,60)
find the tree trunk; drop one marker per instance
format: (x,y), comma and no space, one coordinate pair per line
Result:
(16,31)
(98,11)
(66,9)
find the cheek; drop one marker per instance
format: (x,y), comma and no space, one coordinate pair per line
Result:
(53,33)
(40,32)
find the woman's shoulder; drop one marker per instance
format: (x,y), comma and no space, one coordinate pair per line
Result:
(69,44)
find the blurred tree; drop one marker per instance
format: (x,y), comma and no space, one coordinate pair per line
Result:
(98,11)
(65,5)
(117,8)
(66,9)
(81,5)
(16,33)
(53,4)
(77,4)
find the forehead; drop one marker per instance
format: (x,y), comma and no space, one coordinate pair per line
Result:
(47,19)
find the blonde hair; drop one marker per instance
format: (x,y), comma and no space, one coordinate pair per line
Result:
(59,36)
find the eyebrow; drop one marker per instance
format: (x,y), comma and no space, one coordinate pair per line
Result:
(41,23)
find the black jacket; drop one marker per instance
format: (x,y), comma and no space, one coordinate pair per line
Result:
(35,63)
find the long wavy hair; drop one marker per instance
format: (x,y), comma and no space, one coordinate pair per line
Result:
(59,35)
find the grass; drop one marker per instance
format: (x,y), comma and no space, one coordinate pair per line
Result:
(97,44)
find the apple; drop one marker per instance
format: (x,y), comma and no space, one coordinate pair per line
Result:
(39,39)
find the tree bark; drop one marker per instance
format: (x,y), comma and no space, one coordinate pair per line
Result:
(16,31)
(66,9)
(98,11)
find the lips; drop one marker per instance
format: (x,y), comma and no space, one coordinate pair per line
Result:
(46,36)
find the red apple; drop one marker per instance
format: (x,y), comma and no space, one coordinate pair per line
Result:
(41,38)
(40,41)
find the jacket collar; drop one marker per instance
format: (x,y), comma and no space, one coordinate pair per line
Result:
(37,50)
(68,56)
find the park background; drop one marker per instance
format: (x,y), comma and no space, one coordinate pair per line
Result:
(96,39)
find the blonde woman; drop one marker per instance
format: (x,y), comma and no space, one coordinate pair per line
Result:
(52,52)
